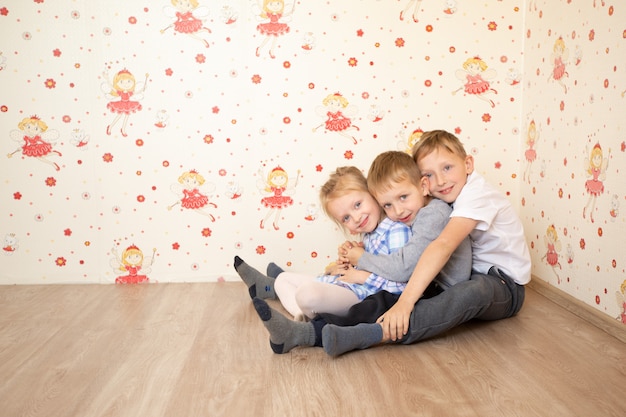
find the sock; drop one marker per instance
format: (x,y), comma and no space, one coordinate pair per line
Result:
(258,284)
(274,270)
(285,334)
(338,340)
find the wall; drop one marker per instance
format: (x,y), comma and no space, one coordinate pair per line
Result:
(221,109)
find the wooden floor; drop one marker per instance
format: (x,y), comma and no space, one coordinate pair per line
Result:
(200,350)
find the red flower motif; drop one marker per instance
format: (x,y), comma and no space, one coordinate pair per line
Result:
(60,261)
(51,182)
(256,79)
(359,33)
(50,83)
(200,58)
(486,118)
(260,250)
(67,232)
(318,168)
(348,154)
(17,195)
(107,157)
(399,42)
(492,26)
(209,139)
(206,232)
(56,52)
(352,62)
(215,110)
(4,11)
(169,72)
(175,246)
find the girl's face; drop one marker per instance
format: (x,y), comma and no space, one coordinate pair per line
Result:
(274,6)
(357,211)
(446,173)
(596,159)
(403,200)
(133,259)
(190,181)
(279,180)
(126,83)
(32,129)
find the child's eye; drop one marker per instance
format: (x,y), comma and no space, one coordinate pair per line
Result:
(345,219)
(386,206)
(357,204)
(403,197)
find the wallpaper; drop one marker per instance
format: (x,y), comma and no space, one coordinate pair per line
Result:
(152,141)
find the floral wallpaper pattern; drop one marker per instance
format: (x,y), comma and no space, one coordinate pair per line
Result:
(151,141)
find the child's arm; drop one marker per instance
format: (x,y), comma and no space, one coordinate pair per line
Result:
(398,266)
(395,321)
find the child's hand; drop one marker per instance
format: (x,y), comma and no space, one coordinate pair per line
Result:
(354,276)
(353,254)
(335,269)
(395,322)
(346,246)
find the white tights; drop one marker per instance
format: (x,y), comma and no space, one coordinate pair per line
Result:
(304,297)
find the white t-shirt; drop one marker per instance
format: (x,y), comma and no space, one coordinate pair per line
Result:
(498,239)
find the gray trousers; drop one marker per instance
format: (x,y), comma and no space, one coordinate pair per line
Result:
(484,297)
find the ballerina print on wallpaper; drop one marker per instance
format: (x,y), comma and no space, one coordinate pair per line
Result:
(37,141)
(193,193)
(278,190)
(553,247)
(119,91)
(338,112)
(559,57)
(190,17)
(530,154)
(595,169)
(406,144)
(476,77)
(274,20)
(132,264)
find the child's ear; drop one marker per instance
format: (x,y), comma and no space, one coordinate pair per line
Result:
(424,184)
(469,164)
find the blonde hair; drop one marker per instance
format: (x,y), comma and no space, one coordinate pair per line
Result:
(390,168)
(336,96)
(191,174)
(32,120)
(475,60)
(343,181)
(131,250)
(437,139)
(122,75)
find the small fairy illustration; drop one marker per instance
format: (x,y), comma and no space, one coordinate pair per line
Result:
(513,77)
(191,193)
(233,190)
(228,14)
(37,139)
(279,193)
(569,250)
(532,135)
(10,244)
(79,138)
(620,297)
(338,111)
(559,56)
(132,261)
(123,87)
(162,118)
(308,41)
(415,5)
(275,20)
(450,7)
(376,113)
(595,167)
(311,212)
(553,244)
(406,145)
(476,76)
(190,18)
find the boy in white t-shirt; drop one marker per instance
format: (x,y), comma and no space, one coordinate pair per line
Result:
(500,257)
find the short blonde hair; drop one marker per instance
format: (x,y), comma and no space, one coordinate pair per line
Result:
(437,139)
(390,168)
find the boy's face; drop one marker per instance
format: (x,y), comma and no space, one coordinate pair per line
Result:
(403,200)
(446,173)
(356,211)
